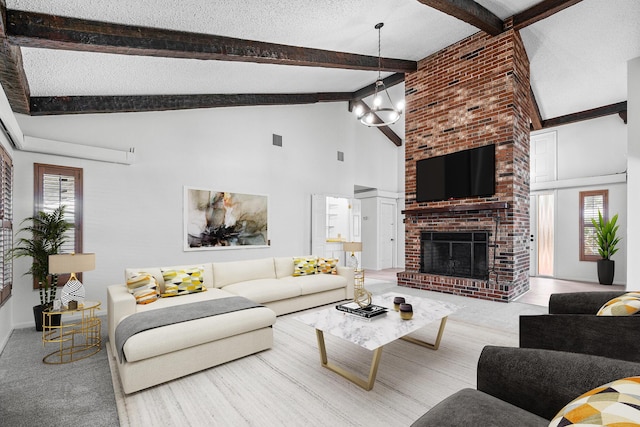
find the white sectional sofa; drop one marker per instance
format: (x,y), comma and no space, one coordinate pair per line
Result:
(164,353)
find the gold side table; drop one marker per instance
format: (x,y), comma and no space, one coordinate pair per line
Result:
(77,338)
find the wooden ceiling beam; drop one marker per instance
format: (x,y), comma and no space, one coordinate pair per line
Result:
(54,105)
(536,118)
(12,76)
(369,90)
(619,108)
(470,12)
(540,11)
(40,30)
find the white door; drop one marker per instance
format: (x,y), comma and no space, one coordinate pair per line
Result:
(543,157)
(387,243)
(533,235)
(546,234)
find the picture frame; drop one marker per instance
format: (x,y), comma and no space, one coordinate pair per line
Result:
(215,219)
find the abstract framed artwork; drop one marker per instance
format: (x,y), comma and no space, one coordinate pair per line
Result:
(224,220)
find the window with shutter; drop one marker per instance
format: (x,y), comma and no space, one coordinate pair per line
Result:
(55,186)
(6,230)
(591,202)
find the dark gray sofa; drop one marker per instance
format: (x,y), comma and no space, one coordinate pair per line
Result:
(524,387)
(572,325)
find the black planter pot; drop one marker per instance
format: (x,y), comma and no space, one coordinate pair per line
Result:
(606,271)
(37,317)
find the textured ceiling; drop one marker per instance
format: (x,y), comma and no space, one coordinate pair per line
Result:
(578,56)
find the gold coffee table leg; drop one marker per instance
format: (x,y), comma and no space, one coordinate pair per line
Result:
(432,346)
(365,384)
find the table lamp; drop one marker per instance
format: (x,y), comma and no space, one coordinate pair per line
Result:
(352,247)
(73,290)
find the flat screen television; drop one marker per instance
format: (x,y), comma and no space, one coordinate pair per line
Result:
(467,173)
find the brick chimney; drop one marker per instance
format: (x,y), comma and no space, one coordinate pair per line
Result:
(471,94)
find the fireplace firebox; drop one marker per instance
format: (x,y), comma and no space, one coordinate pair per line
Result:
(458,254)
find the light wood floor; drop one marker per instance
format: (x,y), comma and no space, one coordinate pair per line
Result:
(538,294)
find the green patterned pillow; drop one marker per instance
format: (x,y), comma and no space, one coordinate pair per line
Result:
(183,281)
(624,305)
(328,265)
(144,287)
(305,266)
(614,404)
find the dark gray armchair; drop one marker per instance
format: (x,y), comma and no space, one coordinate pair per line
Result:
(572,325)
(524,387)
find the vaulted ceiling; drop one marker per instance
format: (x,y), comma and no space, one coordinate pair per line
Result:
(75,56)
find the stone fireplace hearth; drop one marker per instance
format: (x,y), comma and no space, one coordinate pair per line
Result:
(472,94)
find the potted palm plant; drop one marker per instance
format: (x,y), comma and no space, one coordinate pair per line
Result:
(607,241)
(46,235)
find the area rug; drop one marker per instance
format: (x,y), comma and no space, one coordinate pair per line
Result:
(286,385)
(36,394)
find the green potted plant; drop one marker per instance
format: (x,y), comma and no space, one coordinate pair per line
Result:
(607,241)
(46,235)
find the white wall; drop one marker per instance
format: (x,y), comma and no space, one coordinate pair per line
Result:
(586,151)
(133,215)
(633,180)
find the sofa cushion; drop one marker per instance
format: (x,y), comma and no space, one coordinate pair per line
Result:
(211,293)
(264,290)
(284,266)
(624,305)
(226,273)
(316,283)
(328,265)
(614,403)
(143,287)
(157,273)
(170,338)
(474,408)
(305,266)
(182,281)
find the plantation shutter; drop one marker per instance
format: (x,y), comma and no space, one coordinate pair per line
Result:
(591,202)
(59,190)
(55,186)
(6,230)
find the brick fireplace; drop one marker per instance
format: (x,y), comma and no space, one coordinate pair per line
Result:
(471,94)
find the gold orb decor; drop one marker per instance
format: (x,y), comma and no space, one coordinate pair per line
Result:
(362,297)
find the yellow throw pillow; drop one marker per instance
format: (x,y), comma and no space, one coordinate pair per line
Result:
(305,266)
(328,265)
(614,404)
(144,287)
(182,282)
(624,305)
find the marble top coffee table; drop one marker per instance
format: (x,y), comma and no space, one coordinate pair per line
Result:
(375,333)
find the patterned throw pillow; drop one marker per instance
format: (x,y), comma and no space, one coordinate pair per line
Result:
(305,266)
(182,282)
(328,265)
(624,305)
(144,288)
(614,404)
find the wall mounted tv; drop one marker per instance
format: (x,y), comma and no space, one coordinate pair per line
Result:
(467,173)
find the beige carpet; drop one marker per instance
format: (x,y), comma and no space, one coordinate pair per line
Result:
(286,386)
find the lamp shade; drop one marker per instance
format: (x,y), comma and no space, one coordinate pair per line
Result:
(71,263)
(352,246)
